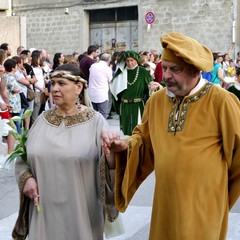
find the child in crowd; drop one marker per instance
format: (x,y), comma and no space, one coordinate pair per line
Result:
(231,71)
(235,89)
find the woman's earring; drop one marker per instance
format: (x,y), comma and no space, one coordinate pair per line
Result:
(78,103)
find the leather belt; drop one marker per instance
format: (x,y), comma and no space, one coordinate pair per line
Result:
(133,100)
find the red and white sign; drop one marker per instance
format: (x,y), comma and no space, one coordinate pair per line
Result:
(150,17)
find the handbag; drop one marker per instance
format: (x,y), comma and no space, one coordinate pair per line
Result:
(24,101)
(30,94)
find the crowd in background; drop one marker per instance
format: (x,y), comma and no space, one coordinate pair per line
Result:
(29,71)
(224,69)
(225,72)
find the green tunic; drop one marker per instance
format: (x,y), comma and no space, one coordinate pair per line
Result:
(130,112)
(235,91)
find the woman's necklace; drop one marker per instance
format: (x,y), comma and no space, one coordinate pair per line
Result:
(64,114)
(135,79)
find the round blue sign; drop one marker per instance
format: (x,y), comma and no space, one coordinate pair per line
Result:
(149,17)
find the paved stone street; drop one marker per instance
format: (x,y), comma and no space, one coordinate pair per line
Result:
(135,220)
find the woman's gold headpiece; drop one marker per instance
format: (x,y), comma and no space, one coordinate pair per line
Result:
(67,75)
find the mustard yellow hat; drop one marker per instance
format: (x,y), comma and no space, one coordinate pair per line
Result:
(179,48)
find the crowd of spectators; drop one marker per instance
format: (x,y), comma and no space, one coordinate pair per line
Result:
(30,69)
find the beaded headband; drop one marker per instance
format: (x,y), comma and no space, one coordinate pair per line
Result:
(67,75)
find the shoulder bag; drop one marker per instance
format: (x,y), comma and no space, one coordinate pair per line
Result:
(30,94)
(24,101)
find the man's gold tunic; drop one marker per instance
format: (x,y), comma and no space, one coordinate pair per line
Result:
(193,146)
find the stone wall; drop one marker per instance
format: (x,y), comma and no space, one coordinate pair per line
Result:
(53,30)
(209,21)
(13,32)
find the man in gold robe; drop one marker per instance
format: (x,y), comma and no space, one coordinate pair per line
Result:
(190,138)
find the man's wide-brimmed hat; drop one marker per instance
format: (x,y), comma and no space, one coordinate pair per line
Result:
(180,49)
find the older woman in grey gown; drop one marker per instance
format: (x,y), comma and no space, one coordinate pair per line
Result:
(63,176)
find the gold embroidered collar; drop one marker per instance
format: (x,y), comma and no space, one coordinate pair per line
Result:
(82,117)
(179,110)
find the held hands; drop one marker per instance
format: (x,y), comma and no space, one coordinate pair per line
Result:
(112,143)
(31,190)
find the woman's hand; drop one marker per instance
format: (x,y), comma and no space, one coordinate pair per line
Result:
(24,72)
(31,190)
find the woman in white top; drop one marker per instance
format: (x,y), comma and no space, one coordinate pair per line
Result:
(25,82)
(39,85)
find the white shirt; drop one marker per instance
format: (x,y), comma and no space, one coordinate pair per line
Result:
(152,67)
(99,79)
(40,78)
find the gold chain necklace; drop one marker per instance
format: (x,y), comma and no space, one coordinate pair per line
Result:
(135,79)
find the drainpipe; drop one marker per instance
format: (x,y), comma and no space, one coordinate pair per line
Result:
(233,31)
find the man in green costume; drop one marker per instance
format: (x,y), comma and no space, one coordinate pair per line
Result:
(130,91)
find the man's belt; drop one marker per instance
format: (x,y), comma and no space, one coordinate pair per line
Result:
(133,100)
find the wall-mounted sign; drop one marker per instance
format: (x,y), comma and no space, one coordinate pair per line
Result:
(149,17)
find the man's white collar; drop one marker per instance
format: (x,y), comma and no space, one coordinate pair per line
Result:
(200,84)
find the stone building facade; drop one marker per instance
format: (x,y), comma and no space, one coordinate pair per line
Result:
(73,25)
(13,32)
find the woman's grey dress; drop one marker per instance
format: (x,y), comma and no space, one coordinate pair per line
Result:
(64,154)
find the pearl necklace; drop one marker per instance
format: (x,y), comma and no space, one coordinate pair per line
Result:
(135,79)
